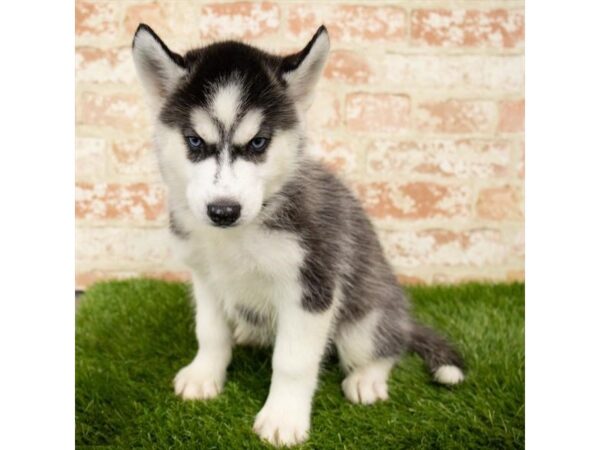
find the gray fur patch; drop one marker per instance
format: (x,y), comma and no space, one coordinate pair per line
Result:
(176,228)
(250,316)
(342,249)
(434,349)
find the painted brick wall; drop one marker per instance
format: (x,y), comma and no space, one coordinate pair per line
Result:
(421,111)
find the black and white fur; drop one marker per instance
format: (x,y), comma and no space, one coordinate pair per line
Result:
(301,267)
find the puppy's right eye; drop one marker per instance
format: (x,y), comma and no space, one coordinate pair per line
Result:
(194,142)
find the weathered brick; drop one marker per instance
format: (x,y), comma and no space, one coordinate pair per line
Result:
(515,275)
(84,279)
(325,112)
(155,14)
(417,200)
(242,20)
(130,158)
(168,275)
(469,275)
(377,112)
(446,157)
(348,23)
(511,116)
(95,65)
(521,160)
(438,247)
(455,116)
(500,203)
(499,28)
(90,158)
(335,154)
(122,111)
(96,20)
(136,202)
(410,280)
(369,48)
(469,72)
(99,248)
(517,250)
(348,67)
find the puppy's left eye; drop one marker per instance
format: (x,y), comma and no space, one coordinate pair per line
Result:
(258,144)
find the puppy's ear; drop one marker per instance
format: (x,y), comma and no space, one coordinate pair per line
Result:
(302,70)
(158,67)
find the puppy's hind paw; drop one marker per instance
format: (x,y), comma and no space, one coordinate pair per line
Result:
(368,384)
(359,388)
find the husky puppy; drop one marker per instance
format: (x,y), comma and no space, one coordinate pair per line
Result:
(280,251)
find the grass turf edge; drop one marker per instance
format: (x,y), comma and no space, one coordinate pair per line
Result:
(132,336)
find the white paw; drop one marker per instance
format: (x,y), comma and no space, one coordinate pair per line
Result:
(195,382)
(448,374)
(281,425)
(365,387)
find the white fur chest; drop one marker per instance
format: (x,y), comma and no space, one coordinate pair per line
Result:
(248,269)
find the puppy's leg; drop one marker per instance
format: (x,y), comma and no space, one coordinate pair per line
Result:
(367,371)
(300,344)
(204,377)
(368,384)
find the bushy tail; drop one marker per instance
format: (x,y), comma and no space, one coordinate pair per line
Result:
(444,362)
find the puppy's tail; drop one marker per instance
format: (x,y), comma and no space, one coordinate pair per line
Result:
(442,359)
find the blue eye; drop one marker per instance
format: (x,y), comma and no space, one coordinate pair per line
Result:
(194,141)
(258,144)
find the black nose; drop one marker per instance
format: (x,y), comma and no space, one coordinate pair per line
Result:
(224,212)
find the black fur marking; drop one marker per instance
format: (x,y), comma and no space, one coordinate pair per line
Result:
(176,228)
(219,159)
(318,286)
(261,88)
(223,136)
(217,64)
(241,151)
(200,154)
(306,213)
(292,62)
(250,316)
(340,245)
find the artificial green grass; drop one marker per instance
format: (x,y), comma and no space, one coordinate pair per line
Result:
(133,336)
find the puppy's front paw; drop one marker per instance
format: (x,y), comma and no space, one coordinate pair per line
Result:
(195,382)
(282,425)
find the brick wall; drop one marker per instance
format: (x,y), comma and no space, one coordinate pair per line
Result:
(420,110)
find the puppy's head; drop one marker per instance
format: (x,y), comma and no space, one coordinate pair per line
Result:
(228,121)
